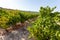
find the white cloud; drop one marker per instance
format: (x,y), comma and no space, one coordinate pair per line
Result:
(17,4)
(8,3)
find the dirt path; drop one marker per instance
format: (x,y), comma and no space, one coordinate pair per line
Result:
(19,34)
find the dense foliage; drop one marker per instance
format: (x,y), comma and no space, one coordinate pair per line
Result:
(10,17)
(47,25)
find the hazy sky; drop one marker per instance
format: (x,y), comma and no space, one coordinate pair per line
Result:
(29,5)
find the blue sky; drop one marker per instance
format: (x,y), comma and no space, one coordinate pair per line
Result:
(29,5)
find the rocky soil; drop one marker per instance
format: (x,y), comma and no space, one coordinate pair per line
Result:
(20,34)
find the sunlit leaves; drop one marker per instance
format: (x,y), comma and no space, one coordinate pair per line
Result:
(11,17)
(46,27)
